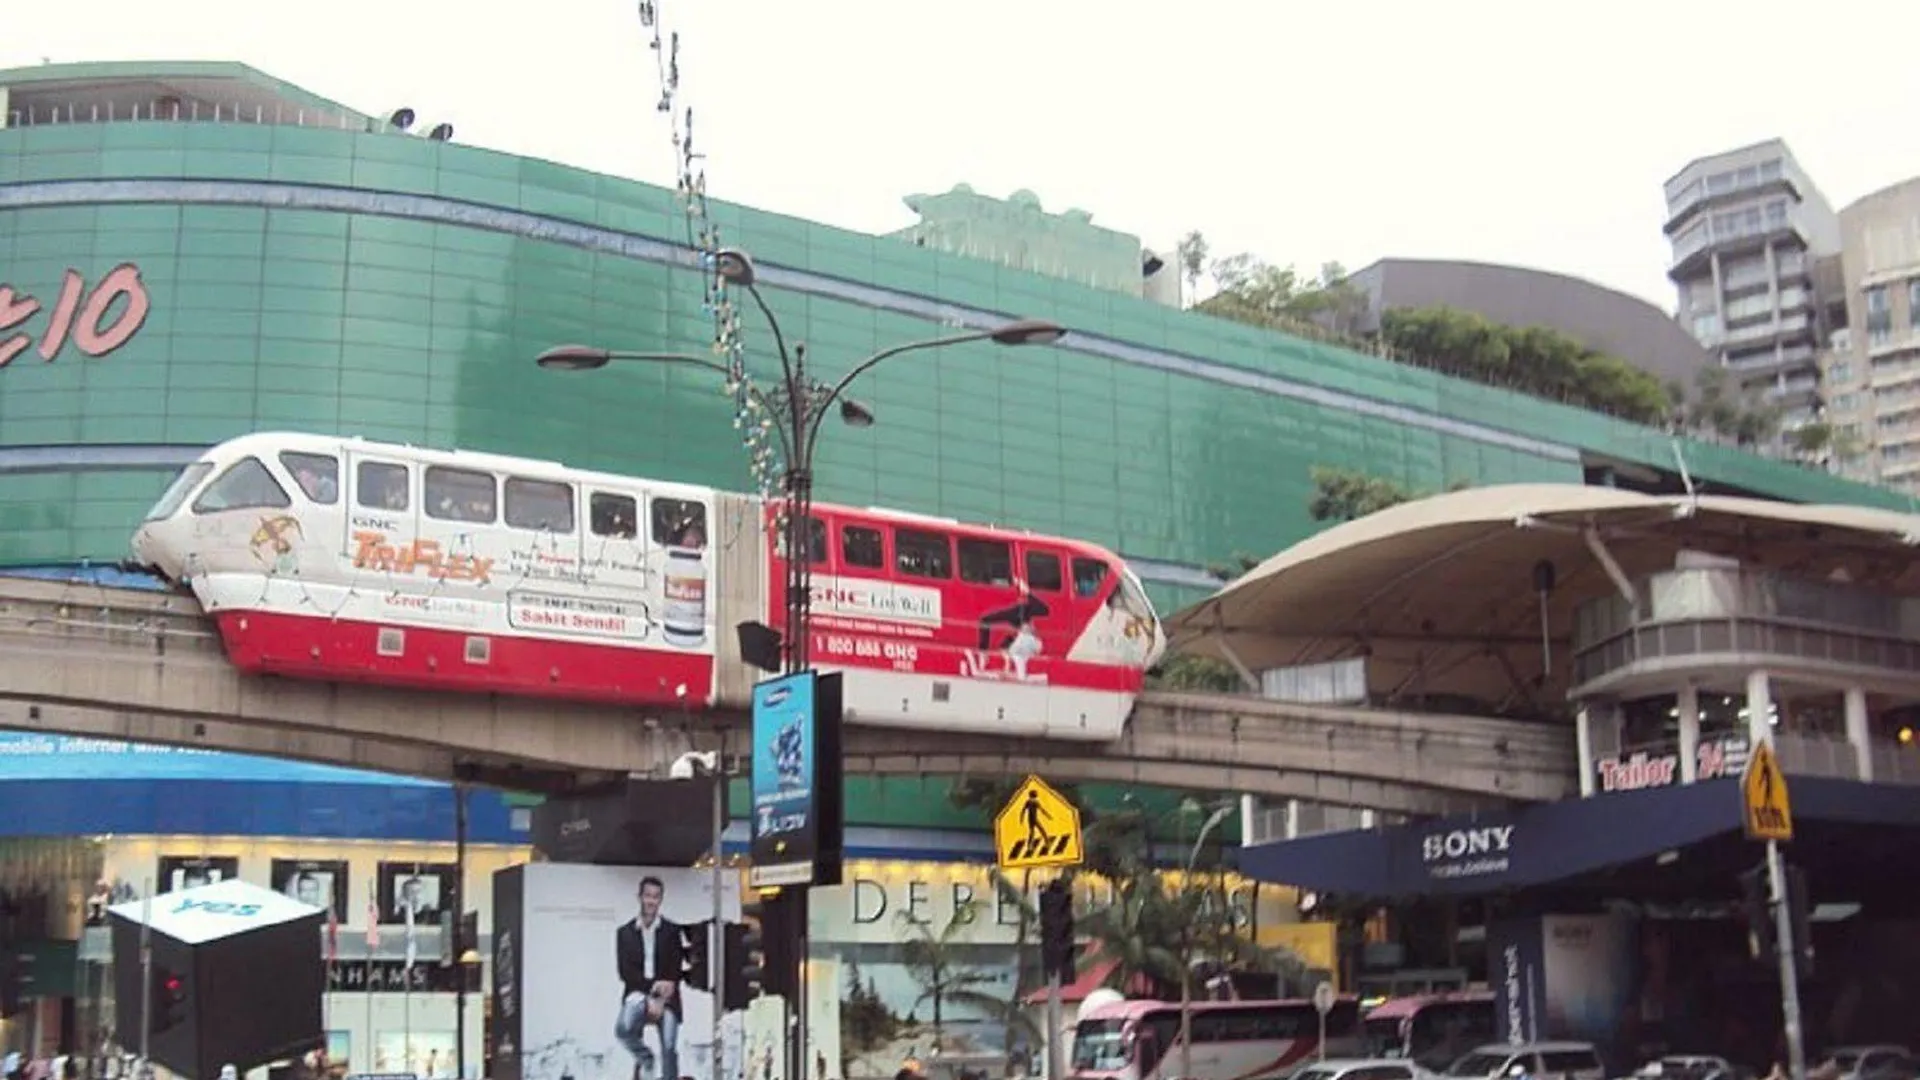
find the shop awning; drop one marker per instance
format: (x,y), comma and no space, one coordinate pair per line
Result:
(1549,843)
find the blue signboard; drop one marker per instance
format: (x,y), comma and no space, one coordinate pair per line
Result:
(785,766)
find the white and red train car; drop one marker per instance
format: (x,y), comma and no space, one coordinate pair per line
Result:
(352,561)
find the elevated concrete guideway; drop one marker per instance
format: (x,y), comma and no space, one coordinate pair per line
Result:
(85,660)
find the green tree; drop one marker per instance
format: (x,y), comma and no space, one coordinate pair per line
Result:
(1195,257)
(865,1021)
(937,960)
(1532,360)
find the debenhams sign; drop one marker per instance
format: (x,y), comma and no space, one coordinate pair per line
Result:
(1467,853)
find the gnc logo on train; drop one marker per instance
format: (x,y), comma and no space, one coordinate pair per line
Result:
(94,320)
(879,599)
(372,552)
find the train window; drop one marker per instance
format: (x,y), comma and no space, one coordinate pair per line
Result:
(986,562)
(680,523)
(178,491)
(246,485)
(816,541)
(1043,571)
(860,546)
(1088,576)
(317,474)
(922,554)
(613,515)
(460,495)
(381,486)
(545,505)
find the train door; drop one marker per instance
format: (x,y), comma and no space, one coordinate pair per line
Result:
(1043,581)
(678,533)
(381,516)
(990,596)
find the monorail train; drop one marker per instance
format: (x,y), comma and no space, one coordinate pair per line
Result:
(346,560)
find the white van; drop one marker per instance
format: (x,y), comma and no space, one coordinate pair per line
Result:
(1531,1061)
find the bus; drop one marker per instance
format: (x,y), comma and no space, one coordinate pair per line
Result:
(1431,1030)
(1232,1040)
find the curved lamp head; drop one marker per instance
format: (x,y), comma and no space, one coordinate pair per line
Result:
(734,266)
(855,414)
(574,358)
(1028,332)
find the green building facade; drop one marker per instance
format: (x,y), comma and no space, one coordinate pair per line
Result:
(315,275)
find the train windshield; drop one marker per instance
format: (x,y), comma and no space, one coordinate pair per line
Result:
(1132,596)
(177,492)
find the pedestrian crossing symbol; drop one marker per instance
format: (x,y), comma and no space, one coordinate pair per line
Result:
(1038,827)
(1763,790)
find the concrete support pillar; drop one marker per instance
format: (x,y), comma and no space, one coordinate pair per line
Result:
(1583,745)
(1689,707)
(1759,708)
(1858,736)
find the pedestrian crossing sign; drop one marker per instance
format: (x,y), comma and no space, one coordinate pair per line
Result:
(1763,795)
(1038,827)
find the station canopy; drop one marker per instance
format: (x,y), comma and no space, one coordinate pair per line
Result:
(1443,596)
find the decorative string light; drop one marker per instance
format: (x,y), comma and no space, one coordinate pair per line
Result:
(703,240)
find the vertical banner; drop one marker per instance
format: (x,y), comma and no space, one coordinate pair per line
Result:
(1515,958)
(1589,962)
(797,822)
(505,1025)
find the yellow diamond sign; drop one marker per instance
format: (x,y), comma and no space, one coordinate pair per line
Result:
(1038,827)
(1763,793)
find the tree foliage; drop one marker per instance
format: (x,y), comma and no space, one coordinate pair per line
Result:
(1533,360)
(1253,291)
(938,961)
(1719,407)
(865,1021)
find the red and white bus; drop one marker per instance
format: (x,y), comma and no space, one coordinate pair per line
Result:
(1431,1030)
(346,560)
(1232,1040)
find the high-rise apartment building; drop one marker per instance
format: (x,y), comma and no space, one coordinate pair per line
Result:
(1873,367)
(1748,229)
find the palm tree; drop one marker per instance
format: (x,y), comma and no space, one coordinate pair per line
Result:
(1026,972)
(936,959)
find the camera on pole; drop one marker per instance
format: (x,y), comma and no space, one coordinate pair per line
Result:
(1056,931)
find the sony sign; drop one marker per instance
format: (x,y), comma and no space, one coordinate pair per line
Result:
(1463,853)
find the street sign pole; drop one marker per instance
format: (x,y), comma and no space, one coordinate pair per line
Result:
(1323,1004)
(1768,813)
(1789,953)
(1056,1053)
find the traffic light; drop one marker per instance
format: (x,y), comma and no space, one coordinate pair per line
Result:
(746,958)
(1756,908)
(169,1006)
(1799,912)
(11,981)
(1056,931)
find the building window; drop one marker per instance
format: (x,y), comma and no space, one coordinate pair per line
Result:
(1840,371)
(1879,316)
(1913,303)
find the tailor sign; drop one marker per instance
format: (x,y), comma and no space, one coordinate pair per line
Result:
(1725,756)
(1468,852)
(97,321)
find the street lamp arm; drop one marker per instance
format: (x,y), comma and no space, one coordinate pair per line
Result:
(722,370)
(779,339)
(833,395)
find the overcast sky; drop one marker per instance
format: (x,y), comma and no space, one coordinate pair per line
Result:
(1514,131)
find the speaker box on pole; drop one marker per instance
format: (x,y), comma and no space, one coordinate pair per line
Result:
(237,977)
